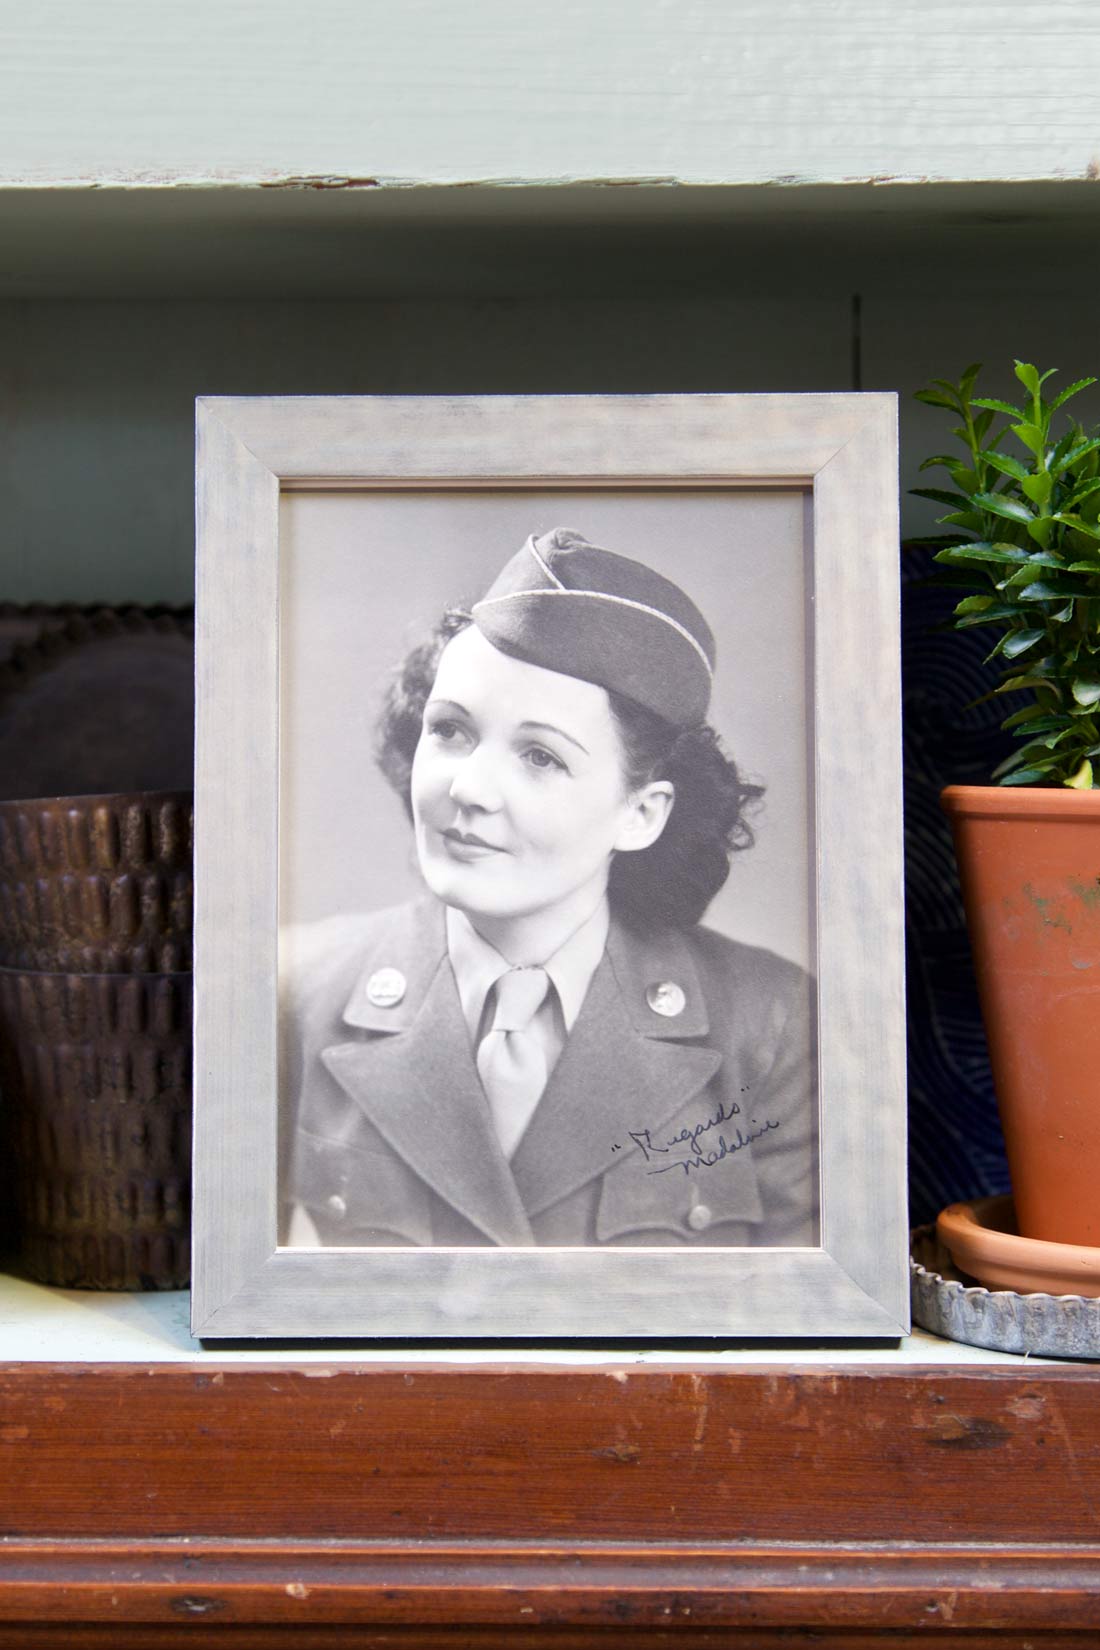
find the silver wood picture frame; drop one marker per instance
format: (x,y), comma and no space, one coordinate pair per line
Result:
(348,1183)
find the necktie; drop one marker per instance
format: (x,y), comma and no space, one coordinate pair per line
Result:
(510,1060)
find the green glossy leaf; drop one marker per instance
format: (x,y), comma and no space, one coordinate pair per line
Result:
(1055,730)
(1083,490)
(1041,531)
(1024,574)
(1027,776)
(968,520)
(1038,488)
(1078,523)
(998,505)
(940,495)
(1036,748)
(1008,466)
(1017,684)
(982,423)
(1082,779)
(1020,641)
(1055,577)
(1030,713)
(1061,448)
(946,459)
(1043,590)
(1076,453)
(1070,390)
(931,399)
(1014,761)
(981,551)
(1028,376)
(1032,437)
(994,405)
(1086,690)
(1045,558)
(1092,567)
(1000,614)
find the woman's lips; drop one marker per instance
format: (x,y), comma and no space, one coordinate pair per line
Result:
(466,846)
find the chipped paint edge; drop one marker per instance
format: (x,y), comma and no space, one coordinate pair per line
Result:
(365,182)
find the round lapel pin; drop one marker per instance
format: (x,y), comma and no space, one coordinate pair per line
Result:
(666,998)
(386,987)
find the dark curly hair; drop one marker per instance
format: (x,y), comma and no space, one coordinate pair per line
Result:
(670,883)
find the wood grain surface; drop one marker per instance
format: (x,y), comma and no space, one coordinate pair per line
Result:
(521,1505)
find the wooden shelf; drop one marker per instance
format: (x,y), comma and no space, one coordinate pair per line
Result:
(381,1495)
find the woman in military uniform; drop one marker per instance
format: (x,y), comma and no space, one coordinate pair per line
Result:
(550,1048)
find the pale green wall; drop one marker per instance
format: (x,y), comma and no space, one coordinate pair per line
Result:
(96,399)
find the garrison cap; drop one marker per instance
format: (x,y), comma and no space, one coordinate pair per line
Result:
(569,606)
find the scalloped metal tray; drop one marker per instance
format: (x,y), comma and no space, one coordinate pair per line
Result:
(950,1304)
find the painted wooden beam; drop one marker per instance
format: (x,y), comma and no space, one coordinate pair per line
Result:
(362,94)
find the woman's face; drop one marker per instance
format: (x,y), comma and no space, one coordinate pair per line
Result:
(518,791)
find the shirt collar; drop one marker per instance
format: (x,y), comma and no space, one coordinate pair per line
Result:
(478,965)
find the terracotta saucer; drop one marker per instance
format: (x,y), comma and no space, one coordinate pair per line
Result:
(984,1243)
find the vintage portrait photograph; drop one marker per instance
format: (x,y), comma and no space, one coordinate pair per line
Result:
(546,947)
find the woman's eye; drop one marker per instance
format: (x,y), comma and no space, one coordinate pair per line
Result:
(538,757)
(446,731)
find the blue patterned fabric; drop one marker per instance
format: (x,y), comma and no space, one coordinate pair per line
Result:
(955,1145)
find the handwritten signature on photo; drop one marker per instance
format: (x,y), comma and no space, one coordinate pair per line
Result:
(701,1153)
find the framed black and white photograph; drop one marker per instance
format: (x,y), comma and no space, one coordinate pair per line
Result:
(548,869)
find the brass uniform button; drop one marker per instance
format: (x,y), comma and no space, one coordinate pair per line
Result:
(699,1218)
(666,998)
(386,987)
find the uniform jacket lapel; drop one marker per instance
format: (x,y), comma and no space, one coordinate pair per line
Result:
(415,1079)
(625,1069)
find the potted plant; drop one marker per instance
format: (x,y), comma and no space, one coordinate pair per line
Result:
(1024,507)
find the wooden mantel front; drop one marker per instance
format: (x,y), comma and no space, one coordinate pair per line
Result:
(521,1504)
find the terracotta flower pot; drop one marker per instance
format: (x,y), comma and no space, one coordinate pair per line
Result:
(1029,860)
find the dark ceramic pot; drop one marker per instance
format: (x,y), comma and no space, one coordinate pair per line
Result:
(95,1071)
(97,884)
